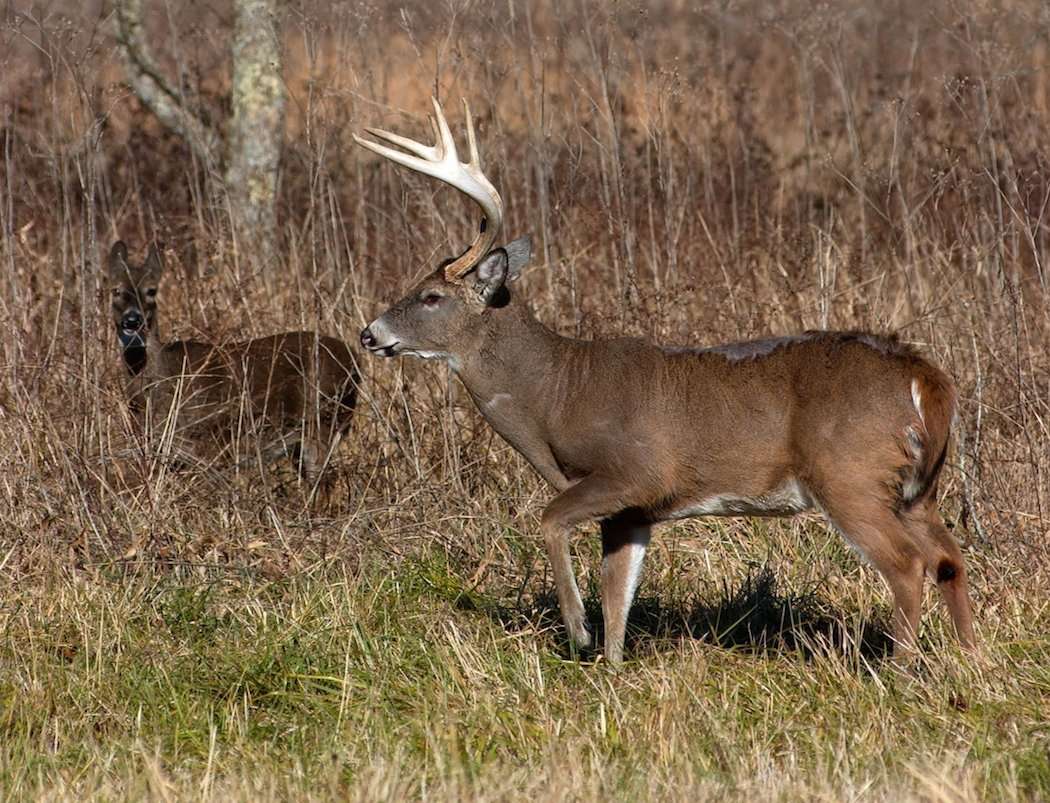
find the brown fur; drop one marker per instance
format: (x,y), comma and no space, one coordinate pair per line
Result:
(631,434)
(292,392)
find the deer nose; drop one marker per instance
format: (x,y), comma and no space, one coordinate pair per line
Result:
(131,321)
(368,340)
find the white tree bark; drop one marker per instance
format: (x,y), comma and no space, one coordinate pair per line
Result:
(257,128)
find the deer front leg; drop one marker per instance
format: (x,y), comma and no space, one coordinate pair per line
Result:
(556,539)
(591,498)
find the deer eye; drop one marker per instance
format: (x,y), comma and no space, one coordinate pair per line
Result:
(431,299)
(151,292)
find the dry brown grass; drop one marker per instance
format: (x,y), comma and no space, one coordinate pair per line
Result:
(692,173)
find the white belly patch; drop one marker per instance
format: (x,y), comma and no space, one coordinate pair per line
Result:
(786,500)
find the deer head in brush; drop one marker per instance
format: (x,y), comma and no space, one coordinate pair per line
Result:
(630,434)
(133,298)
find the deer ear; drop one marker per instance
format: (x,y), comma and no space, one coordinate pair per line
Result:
(153,267)
(519,252)
(118,261)
(490,275)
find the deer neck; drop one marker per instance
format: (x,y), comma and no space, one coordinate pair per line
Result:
(511,355)
(134,357)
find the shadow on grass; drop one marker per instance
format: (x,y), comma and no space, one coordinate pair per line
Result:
(753,617)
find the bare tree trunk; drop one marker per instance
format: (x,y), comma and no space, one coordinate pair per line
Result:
(257,128)
(255,134)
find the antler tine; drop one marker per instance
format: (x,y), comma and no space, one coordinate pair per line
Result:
(436,133)
(475,159)
(446,142)
(425,151)
(409,161)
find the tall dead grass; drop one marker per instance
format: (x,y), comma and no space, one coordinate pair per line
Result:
(691,173)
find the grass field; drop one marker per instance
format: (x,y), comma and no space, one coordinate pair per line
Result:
(693,173)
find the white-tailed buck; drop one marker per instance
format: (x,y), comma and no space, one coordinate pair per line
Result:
(630,434)
(291,393)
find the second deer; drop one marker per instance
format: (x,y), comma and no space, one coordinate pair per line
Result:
(290,393)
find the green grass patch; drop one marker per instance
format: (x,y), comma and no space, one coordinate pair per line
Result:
(336,682)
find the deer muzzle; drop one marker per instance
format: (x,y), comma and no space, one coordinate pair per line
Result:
(132,329)
(378,340)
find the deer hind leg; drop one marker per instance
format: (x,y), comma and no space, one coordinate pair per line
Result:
(312,459)
(623,550)
(944,563)
(308,460)
(870,524)
(591,498)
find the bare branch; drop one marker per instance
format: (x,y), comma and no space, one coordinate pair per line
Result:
(148,83)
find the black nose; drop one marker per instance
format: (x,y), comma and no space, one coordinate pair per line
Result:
(368,340)
(131,321)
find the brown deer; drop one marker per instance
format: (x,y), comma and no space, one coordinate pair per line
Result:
(629,433)
(295,390)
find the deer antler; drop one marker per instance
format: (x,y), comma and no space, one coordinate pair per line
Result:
(441,161)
